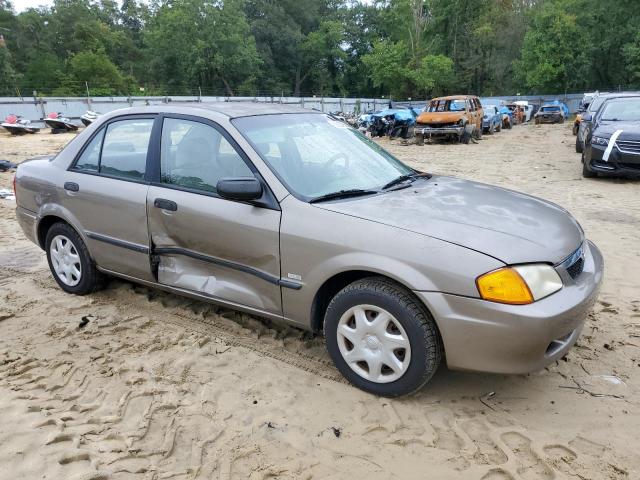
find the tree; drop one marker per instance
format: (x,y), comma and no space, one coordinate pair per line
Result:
(550,59)
(434,74)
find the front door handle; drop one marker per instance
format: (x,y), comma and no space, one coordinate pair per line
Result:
(71,186)
(165,204)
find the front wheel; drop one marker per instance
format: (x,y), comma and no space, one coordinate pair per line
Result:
(586,172)
(70,262)
(381,338)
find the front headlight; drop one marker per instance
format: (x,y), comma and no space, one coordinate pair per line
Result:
(600,141)
(519,285)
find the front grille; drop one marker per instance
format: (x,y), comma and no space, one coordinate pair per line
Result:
(628,146)
(576,268)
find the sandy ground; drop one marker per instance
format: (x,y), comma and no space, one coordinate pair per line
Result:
(158,386)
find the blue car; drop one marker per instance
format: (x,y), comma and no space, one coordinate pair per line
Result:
(492,119)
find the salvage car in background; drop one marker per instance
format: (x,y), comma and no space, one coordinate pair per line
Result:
(491,120)
(612,144)
(456,117)
(549,113)
(586,118)
(297,217)
(393,122)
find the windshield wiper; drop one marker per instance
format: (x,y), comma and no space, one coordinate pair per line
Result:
(353,192)
(402,178)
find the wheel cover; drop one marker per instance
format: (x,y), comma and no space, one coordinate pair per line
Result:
(65,260)
(373,343)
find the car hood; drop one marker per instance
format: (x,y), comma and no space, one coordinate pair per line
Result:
(439,117)
(630,130)
(509,226)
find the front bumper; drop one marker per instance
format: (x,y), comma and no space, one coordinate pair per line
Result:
(427,131)
(619,162)
(498,338)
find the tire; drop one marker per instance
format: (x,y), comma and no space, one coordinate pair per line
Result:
(89,279)
(410,323)
(491,129)
(478,132)
(499,127)
(575,129)
(465,136)
(579,146)
(586,173)
(509,126)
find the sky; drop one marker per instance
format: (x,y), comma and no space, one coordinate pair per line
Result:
(22,5)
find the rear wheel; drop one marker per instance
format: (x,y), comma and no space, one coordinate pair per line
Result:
(381,338)
(70,262)
(579,146)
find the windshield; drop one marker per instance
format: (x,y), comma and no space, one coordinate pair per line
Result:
(627,110)
(314,155)
(595,104)
(550,109)
(446,106)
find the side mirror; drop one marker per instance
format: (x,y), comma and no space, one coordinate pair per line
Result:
(240,188)
(586,117)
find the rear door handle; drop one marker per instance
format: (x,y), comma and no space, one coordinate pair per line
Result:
(165,204)
(71,186)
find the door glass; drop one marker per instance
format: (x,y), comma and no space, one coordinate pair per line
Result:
(88,161)
(124,153)
(195,156)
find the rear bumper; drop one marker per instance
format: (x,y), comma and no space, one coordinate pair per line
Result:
(493,337)
(438,131)
(549,119)
(28,222)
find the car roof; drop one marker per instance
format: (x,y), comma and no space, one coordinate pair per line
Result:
(454,97)
(243,109)
(229,109)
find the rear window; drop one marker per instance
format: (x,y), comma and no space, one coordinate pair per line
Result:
(124,151)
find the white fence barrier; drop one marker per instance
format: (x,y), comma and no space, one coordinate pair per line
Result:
(36,109)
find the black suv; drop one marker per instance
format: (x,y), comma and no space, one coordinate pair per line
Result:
(612,143)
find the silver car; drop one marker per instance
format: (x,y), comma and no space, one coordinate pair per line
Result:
(294,216)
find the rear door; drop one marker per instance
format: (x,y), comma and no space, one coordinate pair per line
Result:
(106,190)
(225,249)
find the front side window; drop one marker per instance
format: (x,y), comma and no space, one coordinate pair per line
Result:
(315,155)
(124,151)
(195,156)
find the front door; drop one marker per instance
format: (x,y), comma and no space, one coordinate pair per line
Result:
(201,242)
(106,190)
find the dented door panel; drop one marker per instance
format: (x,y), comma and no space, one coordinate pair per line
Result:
(224,249)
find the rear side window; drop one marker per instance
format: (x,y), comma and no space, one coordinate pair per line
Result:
(89,161)
(195,156)
(124,151)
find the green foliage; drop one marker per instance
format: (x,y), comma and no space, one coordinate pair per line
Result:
(434,75)
(402,48)
(550,61)
(8,75)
